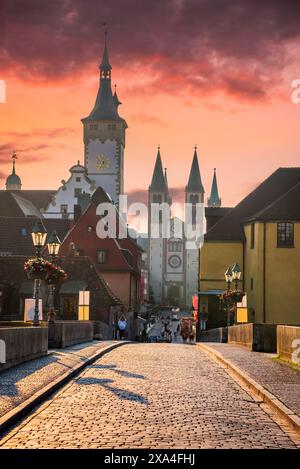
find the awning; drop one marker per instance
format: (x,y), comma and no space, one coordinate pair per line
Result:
(211,292)
(72,286)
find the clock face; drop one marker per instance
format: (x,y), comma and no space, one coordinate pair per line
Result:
(174,261)
(102,162)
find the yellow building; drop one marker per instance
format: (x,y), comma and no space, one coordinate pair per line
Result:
(262,235)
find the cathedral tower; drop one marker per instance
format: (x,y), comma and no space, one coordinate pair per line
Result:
(194,194)
(104,136)
(158,194)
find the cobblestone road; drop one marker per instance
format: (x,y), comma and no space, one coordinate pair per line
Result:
(150,396)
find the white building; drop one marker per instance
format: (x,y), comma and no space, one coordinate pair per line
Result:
(77,190)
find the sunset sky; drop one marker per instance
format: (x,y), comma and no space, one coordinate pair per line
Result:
(215,73)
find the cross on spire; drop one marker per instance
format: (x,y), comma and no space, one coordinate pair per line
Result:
(14,158)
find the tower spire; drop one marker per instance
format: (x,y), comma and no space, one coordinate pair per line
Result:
(106,105)
(195,183)
(158,183)
(214,199)
(13,182)
(14,158)
(105,65)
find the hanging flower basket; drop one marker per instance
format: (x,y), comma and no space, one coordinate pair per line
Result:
(37,268)
(230,297)
(55,275)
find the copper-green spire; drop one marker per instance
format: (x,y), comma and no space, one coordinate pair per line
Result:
(214,199)
(195,183)
(158,183)
(13,182)
(105,65)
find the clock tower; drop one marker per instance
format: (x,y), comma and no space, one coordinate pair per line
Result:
(104,136)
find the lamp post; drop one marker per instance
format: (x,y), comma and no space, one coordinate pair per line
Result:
(53,245)
(228,277)
(39,235)
(236,272)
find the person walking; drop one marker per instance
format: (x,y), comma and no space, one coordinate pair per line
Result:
(122,326)
(203,319)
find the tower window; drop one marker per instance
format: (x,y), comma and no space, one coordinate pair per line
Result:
(77,191)
(251,283)
(78,178)
(194,199)
(23,232)
(285,235)
(157,199)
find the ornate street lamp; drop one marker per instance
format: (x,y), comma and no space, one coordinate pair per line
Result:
(236,273)
(53,244)
(228,277)
(39,235)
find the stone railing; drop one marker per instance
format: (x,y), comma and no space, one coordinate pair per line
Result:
(256,337)
(213,335)
(288,343)
(20,344)
(65,333)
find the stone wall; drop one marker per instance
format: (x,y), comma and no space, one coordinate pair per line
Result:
(102,331)
(214,335)
(20,344)
(65,333)
(288,341)
(256,337)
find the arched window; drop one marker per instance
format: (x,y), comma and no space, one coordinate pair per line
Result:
(194,199)
(157,198)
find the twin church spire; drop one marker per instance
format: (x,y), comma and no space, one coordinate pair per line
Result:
(159,181)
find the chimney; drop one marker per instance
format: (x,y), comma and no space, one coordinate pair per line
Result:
(77,212)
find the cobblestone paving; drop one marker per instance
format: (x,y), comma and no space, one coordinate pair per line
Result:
(278,378)
(150,396)
(20,382)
